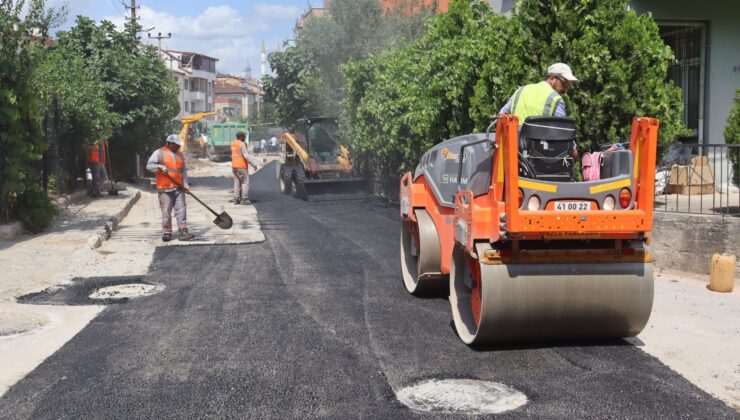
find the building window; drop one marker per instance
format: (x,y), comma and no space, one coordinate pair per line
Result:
(186,84)
(187,106)
(687,40)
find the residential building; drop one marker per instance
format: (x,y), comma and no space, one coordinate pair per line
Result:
(312,13)
(704,37)
(411,6)
(195,74)
(237,97)
(181,77)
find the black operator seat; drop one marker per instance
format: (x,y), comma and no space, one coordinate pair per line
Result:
(548,143)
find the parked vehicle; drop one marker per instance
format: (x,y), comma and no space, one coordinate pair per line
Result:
(220,136)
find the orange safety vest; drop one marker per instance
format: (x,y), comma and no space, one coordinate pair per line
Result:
(174,163)
(96,153)
(237,159)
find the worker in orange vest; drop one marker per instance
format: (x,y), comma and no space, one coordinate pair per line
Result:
(96,154)
(168,165)
(240,162)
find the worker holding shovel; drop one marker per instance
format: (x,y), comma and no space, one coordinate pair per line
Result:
(168,164)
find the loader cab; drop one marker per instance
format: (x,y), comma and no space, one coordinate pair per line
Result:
(320,137)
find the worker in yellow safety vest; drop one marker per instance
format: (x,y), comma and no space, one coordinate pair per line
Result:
(168,165)
(543,98)
(240,161)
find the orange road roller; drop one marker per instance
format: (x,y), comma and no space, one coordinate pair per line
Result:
(525,252)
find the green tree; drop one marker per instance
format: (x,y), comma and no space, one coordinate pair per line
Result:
(287,92)
(732,136)
(23,29)
(471,60)
(619,57)
(131,96)
(308,78)
(402,102)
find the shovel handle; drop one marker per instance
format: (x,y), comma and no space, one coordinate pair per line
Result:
(191,194)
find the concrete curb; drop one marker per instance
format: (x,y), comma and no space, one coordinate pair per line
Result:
(97,238)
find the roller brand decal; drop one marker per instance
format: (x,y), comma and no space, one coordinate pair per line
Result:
(449,155)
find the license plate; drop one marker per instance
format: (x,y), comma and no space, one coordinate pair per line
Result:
(573,205)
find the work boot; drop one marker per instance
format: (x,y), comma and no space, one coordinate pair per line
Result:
(184,235)
(234,200)
(166,237)
(246,202)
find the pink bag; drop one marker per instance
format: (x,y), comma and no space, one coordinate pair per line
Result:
(591,166)
(591,163)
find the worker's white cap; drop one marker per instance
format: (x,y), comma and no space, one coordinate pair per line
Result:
(562,69)
(174,138)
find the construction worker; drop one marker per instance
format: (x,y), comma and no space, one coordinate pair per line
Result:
(168,164)
(543,98)
(96,154)
(240,161)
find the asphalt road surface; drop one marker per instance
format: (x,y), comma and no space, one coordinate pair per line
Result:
(315,322)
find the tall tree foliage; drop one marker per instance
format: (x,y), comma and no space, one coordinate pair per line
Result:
(471,61)
(114,88)
(732,136)
(23,30)
(135,81)
(619,57)
(402,102)
(308,78)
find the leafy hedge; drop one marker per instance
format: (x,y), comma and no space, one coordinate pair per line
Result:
(23,26)
(401,102)
(106,84)
(732,136)
(308,80)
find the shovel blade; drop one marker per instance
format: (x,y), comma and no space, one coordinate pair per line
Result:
(223,221)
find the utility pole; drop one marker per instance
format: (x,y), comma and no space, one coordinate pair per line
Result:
(133,8)
(159,39)
(133,18)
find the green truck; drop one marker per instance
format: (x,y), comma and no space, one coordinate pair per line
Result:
(220,136)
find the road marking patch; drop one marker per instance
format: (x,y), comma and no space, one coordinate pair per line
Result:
(131,290)
(461,396)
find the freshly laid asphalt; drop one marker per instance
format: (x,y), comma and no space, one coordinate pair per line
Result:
(315,322)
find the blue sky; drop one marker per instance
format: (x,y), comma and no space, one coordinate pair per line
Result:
(229,30)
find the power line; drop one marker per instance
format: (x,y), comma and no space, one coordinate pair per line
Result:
(118,9)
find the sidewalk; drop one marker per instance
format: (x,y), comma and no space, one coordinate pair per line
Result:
(91,238)
(31,263)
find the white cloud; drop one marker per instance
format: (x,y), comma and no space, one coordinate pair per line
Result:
(221,32)
(277,11)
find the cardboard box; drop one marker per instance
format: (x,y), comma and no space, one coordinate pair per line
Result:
(692,175)
(699,161)
(690,189)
